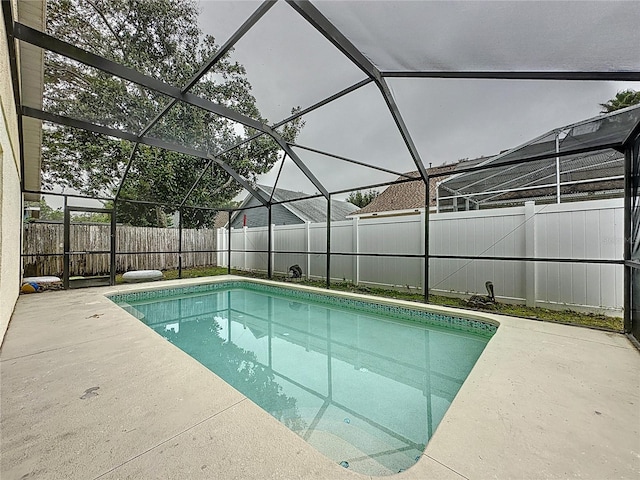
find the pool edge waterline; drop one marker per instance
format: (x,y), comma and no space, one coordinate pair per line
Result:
(486,318)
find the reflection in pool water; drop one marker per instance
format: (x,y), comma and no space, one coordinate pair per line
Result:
(366,391)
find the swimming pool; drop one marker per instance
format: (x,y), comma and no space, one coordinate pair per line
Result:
(364,383)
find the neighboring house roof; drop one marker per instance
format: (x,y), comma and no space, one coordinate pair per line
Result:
(221,220)
(407,195)
(312,209)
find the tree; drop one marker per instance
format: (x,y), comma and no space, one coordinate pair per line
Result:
(159,38)
(623,99)
(360,199)
(91,217)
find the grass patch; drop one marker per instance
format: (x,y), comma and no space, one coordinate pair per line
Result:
(559,316)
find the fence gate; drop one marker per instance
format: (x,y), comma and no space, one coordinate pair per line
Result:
(89,256)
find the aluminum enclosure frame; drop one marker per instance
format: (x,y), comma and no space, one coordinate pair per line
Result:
(19,32)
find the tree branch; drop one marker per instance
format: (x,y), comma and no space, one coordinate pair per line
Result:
(108,25)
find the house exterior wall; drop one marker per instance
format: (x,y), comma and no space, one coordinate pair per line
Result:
(10,195)
(259,217)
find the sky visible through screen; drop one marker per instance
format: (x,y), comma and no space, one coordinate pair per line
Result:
(289,65)
(449,119)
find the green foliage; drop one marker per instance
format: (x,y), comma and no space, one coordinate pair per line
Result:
(91,217)
(623,99)
(360,199)
(159,38)
(141,215)
(46,212)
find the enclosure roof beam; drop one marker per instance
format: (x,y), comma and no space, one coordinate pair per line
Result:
(153,142)
(313,107)
(228,45)
(173,205)
(321,23)
(70,195)
(324,102)
(222,51)
(628,76)
(126,170)
(300,164)
(92,127)
(376,185)
(275,184)
(402,128)
(195,184)
(310,13)
(356,162)
(238,178)
(47,42)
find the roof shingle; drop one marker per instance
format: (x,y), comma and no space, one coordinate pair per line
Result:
(407,195)
(312,209)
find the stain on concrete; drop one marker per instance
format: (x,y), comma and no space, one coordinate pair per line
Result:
(90,392)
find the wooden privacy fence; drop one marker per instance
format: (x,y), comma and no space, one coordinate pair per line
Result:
(43,239)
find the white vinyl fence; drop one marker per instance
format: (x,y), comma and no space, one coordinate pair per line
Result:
(580,230)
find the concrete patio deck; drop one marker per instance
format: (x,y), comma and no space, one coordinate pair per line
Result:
(88,391)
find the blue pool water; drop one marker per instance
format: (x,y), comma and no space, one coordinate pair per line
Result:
(365,385)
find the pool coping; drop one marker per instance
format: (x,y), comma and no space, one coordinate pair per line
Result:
(154,286)
(483,433)
(405,311)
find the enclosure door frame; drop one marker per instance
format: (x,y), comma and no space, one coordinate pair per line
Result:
(67,242)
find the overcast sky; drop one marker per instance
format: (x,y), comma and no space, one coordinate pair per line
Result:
(289,64)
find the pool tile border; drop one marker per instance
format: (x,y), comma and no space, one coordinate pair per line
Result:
(469,325)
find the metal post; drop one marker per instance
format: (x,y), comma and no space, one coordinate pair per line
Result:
(180,243)
(112,246)
(558,168)
(629,172)
(66,245)
(426,240)
(229,245)
(329,241)
(269,245)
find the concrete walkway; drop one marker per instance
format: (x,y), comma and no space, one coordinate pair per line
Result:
(88,391)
